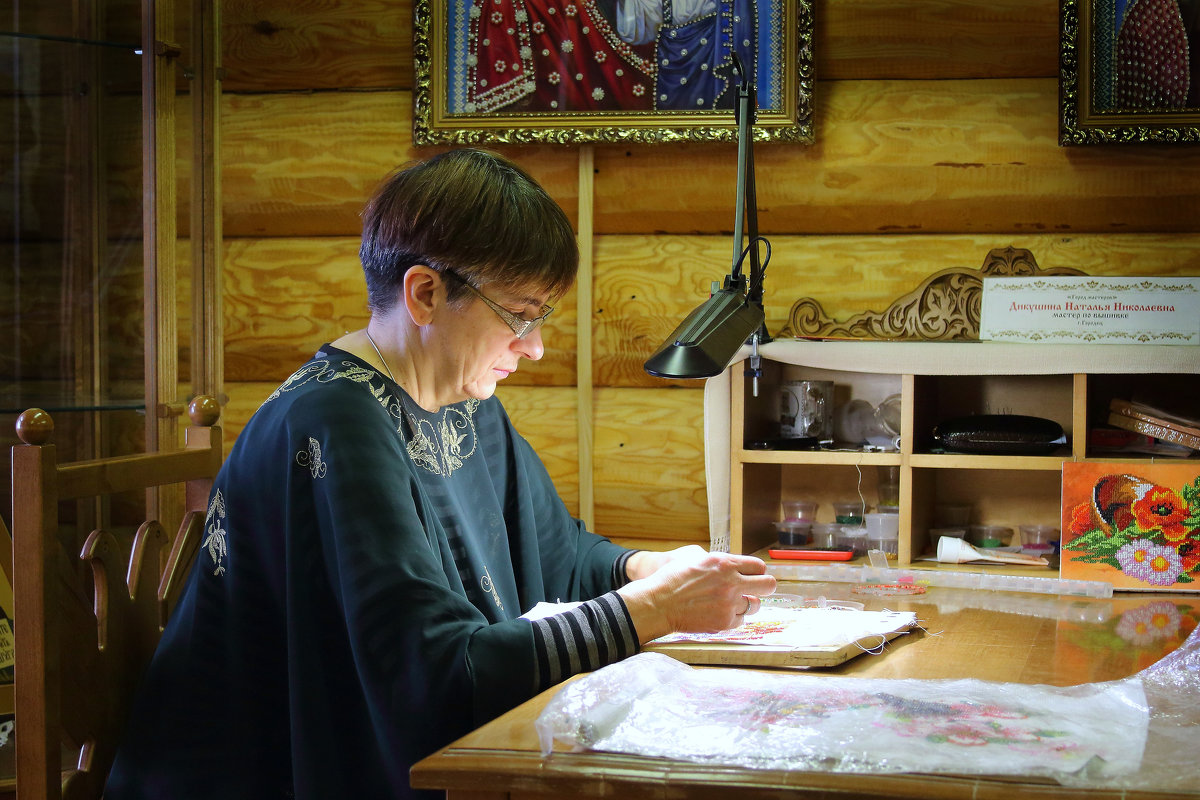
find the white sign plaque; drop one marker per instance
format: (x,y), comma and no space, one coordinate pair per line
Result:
(1091,310)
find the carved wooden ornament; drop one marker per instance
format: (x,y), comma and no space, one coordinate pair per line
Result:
(945,307)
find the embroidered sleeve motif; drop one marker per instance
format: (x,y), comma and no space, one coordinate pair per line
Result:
(214,541)
(312,458)
(486,584)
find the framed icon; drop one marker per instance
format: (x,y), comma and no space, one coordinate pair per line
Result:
(580,71)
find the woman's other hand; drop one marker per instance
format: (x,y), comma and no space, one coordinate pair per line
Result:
(691,591)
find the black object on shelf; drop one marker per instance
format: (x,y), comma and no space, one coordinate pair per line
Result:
(793,443)
(999,434)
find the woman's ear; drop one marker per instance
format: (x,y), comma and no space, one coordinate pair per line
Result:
(420,293)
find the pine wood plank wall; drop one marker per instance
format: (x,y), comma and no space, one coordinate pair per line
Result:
(936,141)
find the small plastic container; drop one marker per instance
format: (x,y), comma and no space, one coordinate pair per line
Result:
(1040,540)
(951,515)
(849,513)
(882,525)
(800,509)
(888,488)
(853,538)
(937,533)
(888,545)
(883,532)
(989,535)
(825,534)
(793,532)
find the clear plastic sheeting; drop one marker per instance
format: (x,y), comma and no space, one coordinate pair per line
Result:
(1172,687)
(1134,733)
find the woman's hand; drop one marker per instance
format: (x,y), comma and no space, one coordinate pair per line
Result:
(692,591)
(645,563)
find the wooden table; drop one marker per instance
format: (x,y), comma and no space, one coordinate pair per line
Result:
(994,636)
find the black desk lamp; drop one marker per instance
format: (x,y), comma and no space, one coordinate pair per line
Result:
(707,340)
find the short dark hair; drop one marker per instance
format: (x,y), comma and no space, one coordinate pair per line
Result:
(472,211)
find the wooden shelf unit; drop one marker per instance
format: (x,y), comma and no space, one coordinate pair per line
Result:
(1067,385)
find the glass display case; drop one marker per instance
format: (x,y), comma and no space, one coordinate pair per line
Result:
(101,184)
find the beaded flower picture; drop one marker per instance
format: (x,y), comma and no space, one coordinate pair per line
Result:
(1136,526)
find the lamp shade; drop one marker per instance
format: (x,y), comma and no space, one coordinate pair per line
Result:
(706,341)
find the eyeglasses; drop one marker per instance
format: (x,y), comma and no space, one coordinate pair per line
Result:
(521,327)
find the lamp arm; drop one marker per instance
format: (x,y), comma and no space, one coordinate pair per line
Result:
(747,210)
(744,155)
(757,266)
(709,338)
(746,203)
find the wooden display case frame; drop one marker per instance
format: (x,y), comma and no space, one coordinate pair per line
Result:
(1063,383)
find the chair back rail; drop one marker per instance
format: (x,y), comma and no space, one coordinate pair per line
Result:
(89,607)
(6,689)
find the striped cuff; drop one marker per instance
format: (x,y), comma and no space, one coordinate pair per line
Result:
(592,635)
(620,576)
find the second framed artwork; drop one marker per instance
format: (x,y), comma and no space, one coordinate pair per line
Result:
(1129,71)
(580,71)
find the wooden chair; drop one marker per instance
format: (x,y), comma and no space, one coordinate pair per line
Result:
(90,607)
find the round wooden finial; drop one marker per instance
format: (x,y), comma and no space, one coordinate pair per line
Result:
(34,426)
(204,410)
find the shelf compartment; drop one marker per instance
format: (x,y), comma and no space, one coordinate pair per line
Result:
(1052,463)
(754,506)
(764,488)
(1174,394)
(945,397)
(761,413)
(838,457)
(999,496)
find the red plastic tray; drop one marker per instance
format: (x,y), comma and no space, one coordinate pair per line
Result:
(812,555)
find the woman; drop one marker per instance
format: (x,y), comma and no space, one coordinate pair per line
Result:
(379,528)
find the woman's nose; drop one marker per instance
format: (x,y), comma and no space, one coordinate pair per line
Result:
(532,346)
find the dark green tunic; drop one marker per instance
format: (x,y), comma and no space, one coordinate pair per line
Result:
(354,602)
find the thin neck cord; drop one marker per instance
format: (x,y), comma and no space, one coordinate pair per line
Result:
(412,422)
(382,360)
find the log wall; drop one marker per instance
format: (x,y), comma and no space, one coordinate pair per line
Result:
(935,141)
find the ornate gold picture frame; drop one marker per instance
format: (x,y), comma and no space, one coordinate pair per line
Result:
(1129,71)
(581,71)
